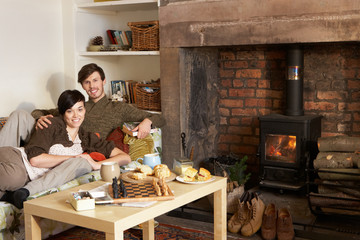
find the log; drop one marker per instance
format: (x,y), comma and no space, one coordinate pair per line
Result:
(326,200)
(339,144)
(347,174)
(335,160)
(347,187)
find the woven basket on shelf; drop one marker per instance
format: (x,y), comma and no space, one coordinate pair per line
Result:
(148,100)
(145,35)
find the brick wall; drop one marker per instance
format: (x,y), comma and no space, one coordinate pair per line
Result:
(252,83)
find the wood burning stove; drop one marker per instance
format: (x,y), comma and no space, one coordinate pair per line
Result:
(288,142)
(287,145)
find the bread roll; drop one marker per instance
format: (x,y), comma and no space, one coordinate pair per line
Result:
(138,176)
(190,174)
(162,172)
(203,175)
(145,169)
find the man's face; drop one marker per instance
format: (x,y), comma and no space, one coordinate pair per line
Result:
(74,116)
(94,86)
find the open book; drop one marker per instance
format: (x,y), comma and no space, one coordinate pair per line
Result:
(129,126)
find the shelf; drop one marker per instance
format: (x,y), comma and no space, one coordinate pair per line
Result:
(124,5)
(121,53)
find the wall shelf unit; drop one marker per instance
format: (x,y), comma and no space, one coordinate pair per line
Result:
(124,5)
(120,53)
(90,19)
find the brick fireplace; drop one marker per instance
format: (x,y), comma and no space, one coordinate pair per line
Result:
(223,65)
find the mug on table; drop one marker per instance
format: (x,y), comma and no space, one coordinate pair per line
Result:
(151,159)
(109,170)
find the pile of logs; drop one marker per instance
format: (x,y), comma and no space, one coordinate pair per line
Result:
(338,169)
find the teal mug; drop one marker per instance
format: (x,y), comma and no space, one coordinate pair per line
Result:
(151,159)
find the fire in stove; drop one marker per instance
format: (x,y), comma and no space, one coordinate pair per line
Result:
(280,148)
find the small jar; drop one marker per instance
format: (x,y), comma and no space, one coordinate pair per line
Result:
(181,164)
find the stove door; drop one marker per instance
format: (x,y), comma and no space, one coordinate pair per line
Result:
(280,148)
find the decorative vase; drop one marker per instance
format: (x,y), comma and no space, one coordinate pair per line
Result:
(95,48)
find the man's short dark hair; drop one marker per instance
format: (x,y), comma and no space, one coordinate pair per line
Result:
(89,69)
(68,99)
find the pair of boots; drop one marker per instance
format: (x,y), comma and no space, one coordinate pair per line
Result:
(277,223)
(248,217)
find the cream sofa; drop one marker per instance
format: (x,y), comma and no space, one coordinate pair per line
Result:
(12,219)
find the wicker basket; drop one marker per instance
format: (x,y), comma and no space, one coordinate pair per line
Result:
(148,100)
(231,198)
(145,35)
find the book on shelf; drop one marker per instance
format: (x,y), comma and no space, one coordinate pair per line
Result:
(121,38)
(110,36)
(117,37)
(124,88)
(129,126)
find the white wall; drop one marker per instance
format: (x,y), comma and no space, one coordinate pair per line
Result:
(31,54)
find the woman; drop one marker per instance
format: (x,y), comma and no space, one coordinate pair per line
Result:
(54,155)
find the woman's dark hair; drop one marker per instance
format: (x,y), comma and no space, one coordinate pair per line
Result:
(68,99)
(89,69)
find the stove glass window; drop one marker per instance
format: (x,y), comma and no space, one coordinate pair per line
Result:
(280,148)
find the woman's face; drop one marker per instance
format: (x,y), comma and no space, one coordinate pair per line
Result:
(74,116)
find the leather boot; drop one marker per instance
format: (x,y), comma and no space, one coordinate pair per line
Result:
(257,208)
(241,217)
(284,225)
(268,226)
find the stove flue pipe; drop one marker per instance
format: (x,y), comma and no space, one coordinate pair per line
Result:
(295,82)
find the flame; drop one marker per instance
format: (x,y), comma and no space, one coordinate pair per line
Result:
(282,145)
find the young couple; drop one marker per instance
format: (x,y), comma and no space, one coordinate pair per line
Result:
(55,152)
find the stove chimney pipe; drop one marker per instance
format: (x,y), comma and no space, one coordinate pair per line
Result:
(294,82)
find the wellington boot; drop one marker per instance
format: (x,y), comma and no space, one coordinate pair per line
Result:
(268,226)
(284,225)
(241,217)
(257,208)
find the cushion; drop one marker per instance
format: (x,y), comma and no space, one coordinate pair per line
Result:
(139,147)
(117,136)
(2,121)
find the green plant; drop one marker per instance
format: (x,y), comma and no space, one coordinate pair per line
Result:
(237,171)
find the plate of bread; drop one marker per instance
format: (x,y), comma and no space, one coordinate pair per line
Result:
(193,176)
(145,173)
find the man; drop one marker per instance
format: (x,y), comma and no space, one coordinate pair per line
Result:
(102,115)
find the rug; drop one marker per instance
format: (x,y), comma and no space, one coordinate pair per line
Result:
(162,232)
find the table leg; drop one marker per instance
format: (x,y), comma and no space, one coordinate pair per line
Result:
(148,230)
(32,227)
(119,235)
(220,220)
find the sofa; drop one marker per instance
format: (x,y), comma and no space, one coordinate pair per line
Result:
(12,219)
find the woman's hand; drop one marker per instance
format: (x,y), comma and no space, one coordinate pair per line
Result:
(43,121)
(94,164)
(143,128)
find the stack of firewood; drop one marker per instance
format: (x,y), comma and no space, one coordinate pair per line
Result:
(338,168)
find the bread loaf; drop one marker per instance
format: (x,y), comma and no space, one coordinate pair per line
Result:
(162,170)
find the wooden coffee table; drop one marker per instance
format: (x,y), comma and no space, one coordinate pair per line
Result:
(114,220)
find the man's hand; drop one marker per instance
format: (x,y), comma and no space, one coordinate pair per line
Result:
(43,121)
(143,128)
